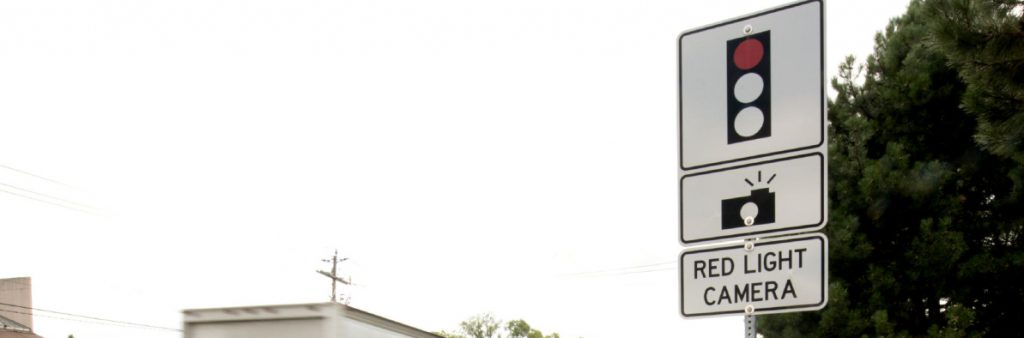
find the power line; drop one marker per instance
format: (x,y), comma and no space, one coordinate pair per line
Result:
(121,322)
(49,202)
(609,272)
(622,270)
(48,199)
(88,321)
(50,196)
(645,271)
(37,176)
(619,273)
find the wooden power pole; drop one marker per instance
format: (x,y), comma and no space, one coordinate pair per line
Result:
(333,275)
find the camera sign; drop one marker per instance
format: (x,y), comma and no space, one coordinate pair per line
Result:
(752,87)
(759,277)
(776,196)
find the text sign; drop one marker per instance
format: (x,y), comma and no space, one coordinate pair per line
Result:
(776,196)
(788,274)
(752,87)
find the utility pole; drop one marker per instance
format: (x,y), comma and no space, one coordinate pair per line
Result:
(333,275)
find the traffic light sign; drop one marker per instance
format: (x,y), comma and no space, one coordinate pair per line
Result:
(752,143)
(748,78)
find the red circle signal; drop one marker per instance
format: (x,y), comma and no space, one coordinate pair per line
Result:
(748,54)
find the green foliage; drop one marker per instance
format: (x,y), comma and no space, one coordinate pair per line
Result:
(520,329)
(446,334)
(926,181)
(517,328)
(983,41)
(481,326)
(486,326)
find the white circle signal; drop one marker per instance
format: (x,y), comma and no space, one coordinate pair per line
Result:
(748,88)
(749,121)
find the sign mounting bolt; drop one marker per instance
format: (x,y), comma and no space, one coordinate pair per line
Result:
(748,29)
(749,246)
(749,309)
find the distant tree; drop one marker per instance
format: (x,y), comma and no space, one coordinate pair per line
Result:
(481,326)
(520,329)
(486,326)
(449,335)
(926,219)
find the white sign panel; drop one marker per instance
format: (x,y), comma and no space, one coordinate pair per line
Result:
(772,276)
(752,87)
(776,196)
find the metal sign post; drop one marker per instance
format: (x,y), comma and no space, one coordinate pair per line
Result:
(751,331)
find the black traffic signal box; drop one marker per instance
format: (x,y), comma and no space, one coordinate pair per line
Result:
(749,60)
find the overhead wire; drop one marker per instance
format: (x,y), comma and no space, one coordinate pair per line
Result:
(623,270)
(101,320)
(37,176)
(377,283)
(49,202)
(76,204)
(45,198)
(89,321)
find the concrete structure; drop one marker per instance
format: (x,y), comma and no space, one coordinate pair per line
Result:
(16,308)
(322,320)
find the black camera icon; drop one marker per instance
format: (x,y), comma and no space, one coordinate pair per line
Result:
(758,208)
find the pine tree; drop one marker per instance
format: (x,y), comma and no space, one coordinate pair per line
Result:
(926,217)
(984,41)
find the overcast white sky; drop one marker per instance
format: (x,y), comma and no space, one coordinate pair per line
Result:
(468,156)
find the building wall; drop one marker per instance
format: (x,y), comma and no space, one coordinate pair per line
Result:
(287,328)
(17,334)
(357,323)
(17,291)
(324,320)
(356,329)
